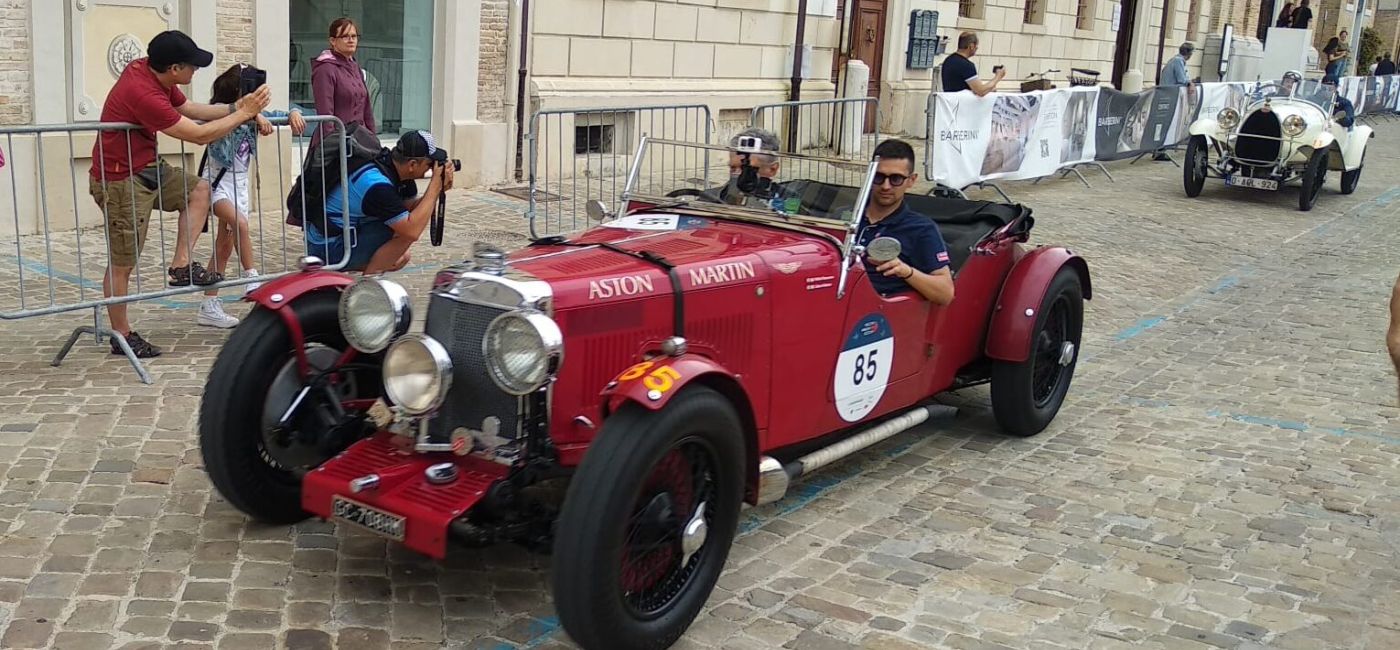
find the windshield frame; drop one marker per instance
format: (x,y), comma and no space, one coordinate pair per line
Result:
(744,213)
(1317,92)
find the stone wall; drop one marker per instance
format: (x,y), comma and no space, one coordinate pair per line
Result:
(235,34)
(1388,26)
(15,84)
(495,68)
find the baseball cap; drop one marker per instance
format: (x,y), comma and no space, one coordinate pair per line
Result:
(174,46)
(420,144)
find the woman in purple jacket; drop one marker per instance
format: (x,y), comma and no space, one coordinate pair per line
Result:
(337,81)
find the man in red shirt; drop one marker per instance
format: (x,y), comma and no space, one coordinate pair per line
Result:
(128,181)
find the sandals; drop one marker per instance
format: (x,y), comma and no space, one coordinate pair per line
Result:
(139,347)
(180,277)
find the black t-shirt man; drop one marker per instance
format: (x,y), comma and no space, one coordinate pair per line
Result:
(957,70)
(1302,17)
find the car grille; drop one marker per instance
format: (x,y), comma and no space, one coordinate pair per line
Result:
(461,328)
(1259,140)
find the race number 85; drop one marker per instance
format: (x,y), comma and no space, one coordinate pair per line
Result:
(661,379)
(866,367)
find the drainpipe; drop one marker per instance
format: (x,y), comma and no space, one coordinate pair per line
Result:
(795,92)
(520,87)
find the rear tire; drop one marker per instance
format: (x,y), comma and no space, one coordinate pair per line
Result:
(1313,178)
(231,419)
(1193,173)
(620,577)
(1026,396)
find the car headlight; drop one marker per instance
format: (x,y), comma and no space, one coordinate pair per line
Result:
(373,312)
(523,350)
(1228,118)
(1294,125)
(417,373)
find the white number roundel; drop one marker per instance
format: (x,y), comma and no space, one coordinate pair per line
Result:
(863,367)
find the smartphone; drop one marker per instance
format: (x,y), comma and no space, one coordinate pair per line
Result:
(250,79)
(997,68)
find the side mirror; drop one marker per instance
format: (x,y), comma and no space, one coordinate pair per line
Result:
(883,249)
(597,210)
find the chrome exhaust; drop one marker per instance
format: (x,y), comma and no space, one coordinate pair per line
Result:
(774,477)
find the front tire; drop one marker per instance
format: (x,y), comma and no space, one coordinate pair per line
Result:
(1313,178)
(1352,178)
(1027,395)
(630,570)
(239,401)
(1197,161)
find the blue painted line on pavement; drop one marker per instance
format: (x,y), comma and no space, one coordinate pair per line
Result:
(1304,427)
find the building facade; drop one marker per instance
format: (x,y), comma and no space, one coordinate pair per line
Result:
(456,67)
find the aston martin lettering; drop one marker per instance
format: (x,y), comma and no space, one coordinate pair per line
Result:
(721,273)
(627,285)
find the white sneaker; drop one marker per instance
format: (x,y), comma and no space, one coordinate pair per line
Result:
(211,313)
(251,286)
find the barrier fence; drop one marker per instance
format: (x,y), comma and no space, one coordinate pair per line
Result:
(580,155)
(68,236)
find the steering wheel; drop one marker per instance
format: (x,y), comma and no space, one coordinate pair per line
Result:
(684,191)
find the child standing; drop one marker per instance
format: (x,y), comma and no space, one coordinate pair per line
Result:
(227,173)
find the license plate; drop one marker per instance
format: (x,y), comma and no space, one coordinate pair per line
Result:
(372,519)
(1255,183)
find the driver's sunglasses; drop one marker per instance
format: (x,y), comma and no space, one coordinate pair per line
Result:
(895,179)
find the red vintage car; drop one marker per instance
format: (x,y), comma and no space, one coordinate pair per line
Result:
(672,363)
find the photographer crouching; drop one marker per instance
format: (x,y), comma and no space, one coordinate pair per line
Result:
(384,211)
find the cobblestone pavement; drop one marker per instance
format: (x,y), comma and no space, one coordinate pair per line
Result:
(1224,474)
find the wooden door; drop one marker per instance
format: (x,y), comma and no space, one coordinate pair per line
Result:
(867,44)
(1122,49)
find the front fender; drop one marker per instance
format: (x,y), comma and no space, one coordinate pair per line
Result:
(653,383)
(1009,335)
(1355,151)
(1323,141)
(1206,127)
(279,293)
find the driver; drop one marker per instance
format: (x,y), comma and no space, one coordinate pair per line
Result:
(922,264)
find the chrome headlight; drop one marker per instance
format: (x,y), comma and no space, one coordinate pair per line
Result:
(523,350)
(1228,118)
(417,373)
(1294,125)
(373,312)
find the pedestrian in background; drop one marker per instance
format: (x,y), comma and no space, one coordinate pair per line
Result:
(1285,15)
(338,81)
(1302,16)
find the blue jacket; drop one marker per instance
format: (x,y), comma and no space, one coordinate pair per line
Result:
(223,150)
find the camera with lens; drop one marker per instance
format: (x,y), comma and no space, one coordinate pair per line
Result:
(456,164)
(749,182)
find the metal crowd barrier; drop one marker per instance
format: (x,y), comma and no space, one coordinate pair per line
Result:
(832,128)
(56,252)
(580,155)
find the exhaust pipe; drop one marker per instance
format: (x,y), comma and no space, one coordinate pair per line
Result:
(774,477)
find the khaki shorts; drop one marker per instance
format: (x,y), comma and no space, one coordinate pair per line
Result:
(128,203)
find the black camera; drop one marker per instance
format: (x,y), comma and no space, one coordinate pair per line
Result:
(456,164)
(250,79)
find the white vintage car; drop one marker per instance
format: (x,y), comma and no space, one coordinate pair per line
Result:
(1289,130)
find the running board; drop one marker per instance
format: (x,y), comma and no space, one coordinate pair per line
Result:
(774,477)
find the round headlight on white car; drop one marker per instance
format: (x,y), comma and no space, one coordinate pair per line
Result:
(1228,118)
(1294,125)
(417,373)
(373,312)
(523,350)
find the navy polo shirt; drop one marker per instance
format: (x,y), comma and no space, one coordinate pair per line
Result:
(921,246)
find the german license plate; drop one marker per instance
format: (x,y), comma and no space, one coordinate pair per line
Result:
(372,519)
(1255,183)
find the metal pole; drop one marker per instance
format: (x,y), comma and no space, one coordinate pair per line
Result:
(1162,39)
(795,92)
